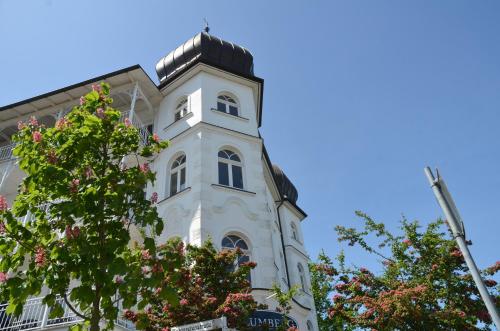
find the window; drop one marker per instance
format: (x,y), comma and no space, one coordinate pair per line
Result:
(230,169)
(227,105)
(232,242)
(182,109)
(178,175)
(294,232)
(302,276)
(309,326)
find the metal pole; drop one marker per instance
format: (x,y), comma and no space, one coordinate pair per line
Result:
(451,213)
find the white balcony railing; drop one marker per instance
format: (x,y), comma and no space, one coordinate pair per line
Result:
(136,122)
(6,152)
(35,316)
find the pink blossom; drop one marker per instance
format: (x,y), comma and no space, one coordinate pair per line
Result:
(127,122)
(212,300)
(3,203)
(82,101)
(456,253)
(407,242)
(37,136)
(156,138)
(184,302)
(461,314)
(40,257)
(145,254)
(100,113)
(154,197)
(118,280)
(52,157)
(145,270)
(20,125)
(96,87)
(3,277)
(2,228)
(33,121)
(74,185)
(165,329)
(76,232)
(88,172)
(144,168)
(68,233)
(490,282)
(434,267)
(61,123)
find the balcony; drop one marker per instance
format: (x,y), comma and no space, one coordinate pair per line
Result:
(6,150)
(35,316)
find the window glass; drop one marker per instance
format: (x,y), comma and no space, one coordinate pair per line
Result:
(173,183)
(183,179)
(237,177)
(233,242)
(177,116)
(221,107)
(223,174)
(233,110)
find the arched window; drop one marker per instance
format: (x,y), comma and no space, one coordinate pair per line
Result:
(233,242)
(227,104)
(178,175)
(182,109)
(230,169)
(294,232)
(302,276)
(309,326)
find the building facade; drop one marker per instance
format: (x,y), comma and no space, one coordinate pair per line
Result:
(216,180)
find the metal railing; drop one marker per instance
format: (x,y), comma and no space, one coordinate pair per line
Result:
(137,123)
(35,316)
(6,152)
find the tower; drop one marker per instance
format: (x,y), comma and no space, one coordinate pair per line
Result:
(216,181)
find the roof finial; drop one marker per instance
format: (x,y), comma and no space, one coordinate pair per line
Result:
(206,28)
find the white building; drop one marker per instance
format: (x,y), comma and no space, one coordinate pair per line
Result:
(216,180)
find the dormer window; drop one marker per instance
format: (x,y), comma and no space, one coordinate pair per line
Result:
(182,109)
(227,104)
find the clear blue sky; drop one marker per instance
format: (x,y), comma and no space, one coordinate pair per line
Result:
(359,95)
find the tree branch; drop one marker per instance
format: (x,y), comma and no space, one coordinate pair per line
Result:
(70,306)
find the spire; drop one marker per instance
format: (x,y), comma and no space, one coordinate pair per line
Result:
(206,28)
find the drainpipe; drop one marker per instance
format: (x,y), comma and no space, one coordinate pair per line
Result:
(283,240)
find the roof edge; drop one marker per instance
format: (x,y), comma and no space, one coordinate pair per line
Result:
(73,86)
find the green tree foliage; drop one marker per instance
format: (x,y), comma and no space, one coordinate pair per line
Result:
(424,283)
(207,283)
(83,200)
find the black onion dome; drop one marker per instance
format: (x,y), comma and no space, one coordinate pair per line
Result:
(285,185)
(207,49)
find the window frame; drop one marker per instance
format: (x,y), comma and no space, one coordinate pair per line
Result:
(230,163)
(295,231)
(176,170)
(228,100)
(247,252)
(182,108)
(302,277)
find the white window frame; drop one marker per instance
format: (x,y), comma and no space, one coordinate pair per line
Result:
(181,162)
(182,109)
(228,101)
(295,231)
(230,164)
(246,252)
(302,277)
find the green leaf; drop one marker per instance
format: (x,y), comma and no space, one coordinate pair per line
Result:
(56,311)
